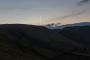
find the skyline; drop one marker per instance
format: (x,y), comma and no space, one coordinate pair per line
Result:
(30,11)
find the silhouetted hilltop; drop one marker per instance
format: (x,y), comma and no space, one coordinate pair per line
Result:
(58,26)
(29,42)
(79,24)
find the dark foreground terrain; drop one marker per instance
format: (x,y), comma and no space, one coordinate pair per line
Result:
(28,42)
(80,34)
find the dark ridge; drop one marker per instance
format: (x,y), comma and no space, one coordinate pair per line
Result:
(29,42)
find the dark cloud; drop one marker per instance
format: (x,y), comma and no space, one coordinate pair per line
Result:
(78,13)
(83,2)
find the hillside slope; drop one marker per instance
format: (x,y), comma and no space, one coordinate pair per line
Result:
(28,42)
(80,34)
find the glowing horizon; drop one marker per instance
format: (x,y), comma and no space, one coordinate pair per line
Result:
(29,11)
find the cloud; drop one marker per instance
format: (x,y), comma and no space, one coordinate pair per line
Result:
(83,2)
(74,14)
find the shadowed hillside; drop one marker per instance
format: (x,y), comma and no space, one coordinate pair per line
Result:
(29,42)
(80,34)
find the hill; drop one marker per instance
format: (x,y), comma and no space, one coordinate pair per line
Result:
(77,33)
(58,26)
(29,42)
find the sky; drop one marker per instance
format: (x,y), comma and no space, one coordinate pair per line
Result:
(39,12)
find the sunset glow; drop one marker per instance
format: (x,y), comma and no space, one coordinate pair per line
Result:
(51,11)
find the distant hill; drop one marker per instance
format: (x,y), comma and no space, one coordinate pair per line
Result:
(79,32)
(29,42)
(58,26)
